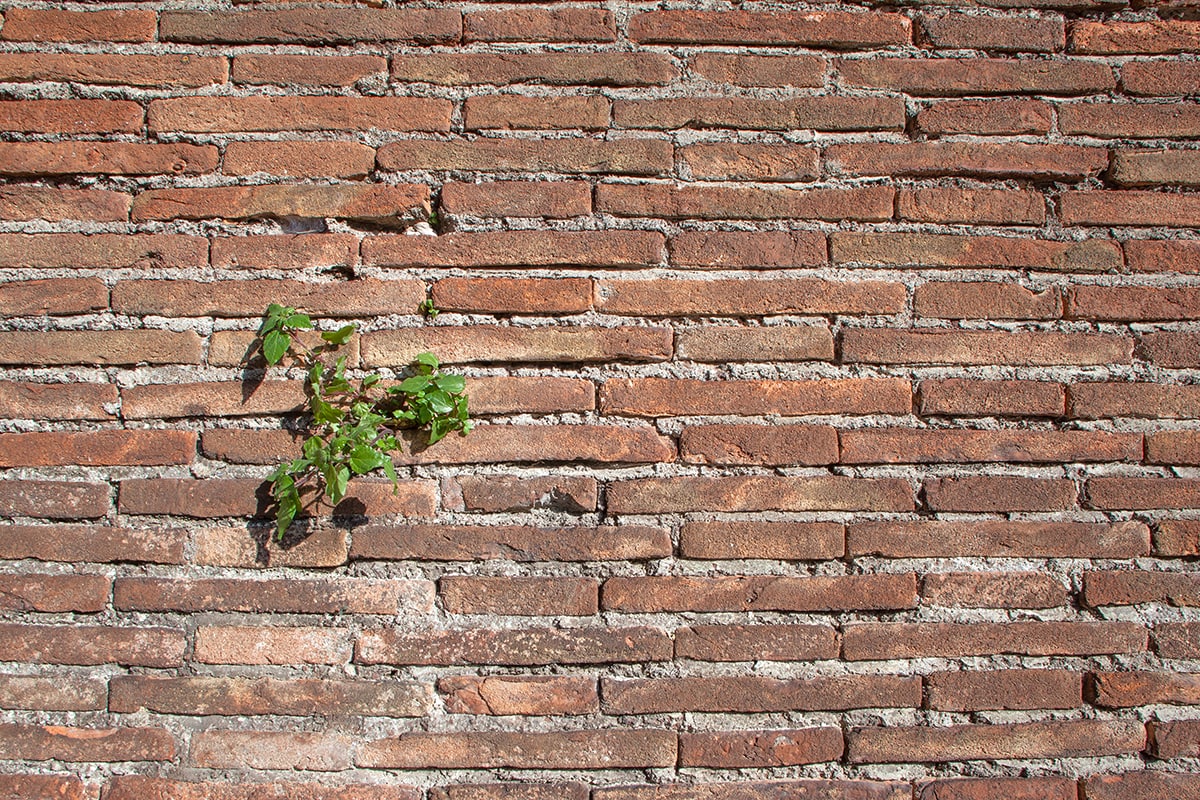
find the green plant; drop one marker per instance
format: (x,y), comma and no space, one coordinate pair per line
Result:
(428,308)
(353,421)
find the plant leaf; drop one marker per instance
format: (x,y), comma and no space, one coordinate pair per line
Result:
(274,345)
(340,336)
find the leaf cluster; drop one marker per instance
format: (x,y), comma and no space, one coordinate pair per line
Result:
(353,421)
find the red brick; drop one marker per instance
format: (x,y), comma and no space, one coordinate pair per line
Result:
(993,590)
(531,395)
(1159,36)
(503,695)
(1173,447)
(1003,689)
(986,300)
(885,641)
(761,790)
(1169,78)
(824,113)
(512,542)
(591,749)
(741,297)
(88,645)
(871,203)
(801,71)
(972,206)
(759,444)
(53,296)
(1077,739)
(71,116)
(149,71)
(1100,400)
(511,791)
(137,787)
(758,694)
(760,593)
(38,743)
(495,344)
(660,397)
(184,298)
(1133,303)
(300,159)
(1130,120)
(82,543)
(53,25)
(102,250)
(764,249)
(1136,785)
(996,788)
(1132,689)
(238,348)
(524,249)
(25,203)
(254,547)
(1177,537)
(1170,349)
(517,112)
(752,162)
(514,295)
(969,347)
(498,69)
(1155,168)
(53,499)
(949,250)
(97,448)
(316,26)
(1179,739)
(1129,587)
(221,749)
(978,159)
(791,541)
(274,644)
(720,344)
(937,446)
(284,70)
(514,647)
(296,251)
(756,642)
(99,347)
(52,693)
(1043,34)
(540,25)
(1177,640)
(243,497)
(999,493)
(965,397)
(519,596)
(378,204)
(500,493)
(994,538)
(975,76)
(290,596)
(1130,207)
(555,200)
(105,158)
(54,593)
(832,29)
(165,401)
(758,493)
(204,696)
(775,748)
(576,155)
(303,113)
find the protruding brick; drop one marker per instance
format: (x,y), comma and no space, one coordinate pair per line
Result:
(1156,168)
(1159,36)
(1132,689)
(1168,78)
(1043,34)
(536,695)
(1178,739)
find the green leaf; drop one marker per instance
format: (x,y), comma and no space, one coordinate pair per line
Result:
(274,345)
(439,403)
(340,336)
(438,428)
(335,483)
(371,380)
(428,360)
(414,384)
(364,459)
(298,321)
(451,383)
(326,414)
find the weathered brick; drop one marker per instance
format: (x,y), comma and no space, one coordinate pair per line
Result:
(972,206)
(774,748)
(1155,168)
(1170,349)
(981,159)
(296,251)
(88,645)
(138,787)
(71,116)
(519,596)
(551,199)
(317,26)
(38,743)
(761,790)
(54,593)
(871,203)
(271,645)
(53,499)
(1004,539)
(299,113)
(950,250)
(720,344)
(758,493)
(53,296)
(514,295)
(997,493)
(750,162)
(290,596)
(996,788)
(658,397)
(826,113)
(1099,400)
(97,544)
(935,446)
(302,160)
(968,398)
(801,71)
(149,71)
(512,542)
(1134,785)
(985,300)
(1168,78)
(514,647)
(535,695)
(1132,689)
(184,298)
(992,590)
(102,251)
(60,692)
(225,399)
(1177,640)
(1129,587)
(540,25)
(1173,447)
(577,155)
(759,250)
(27,203)
(1133,303)
(243,497)
(105,158)
(1042,34)
(1130,120)
(54,25)
(517,112)
(379,204)
(978,76)
(759,444)
(832,29)
(756,642)
(204,696)
(499,69)
(1177,537)
(231,348)
(1004,689)
(284,70)
(760,593)
(491,344)
(743,297)
(1078,739)
(499,493)
(97,448)
(255,547)
(758,694)
(1178,739)
(591,749)
(222,749)
(511,791)
(1159,36)
(525,249)
(774,540)
(967,347)
(883,641)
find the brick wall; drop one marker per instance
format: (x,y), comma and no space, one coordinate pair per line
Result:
(836,369)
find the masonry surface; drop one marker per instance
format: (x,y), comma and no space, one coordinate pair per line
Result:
(835,367)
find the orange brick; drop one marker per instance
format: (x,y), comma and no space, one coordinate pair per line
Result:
(53,25)
(540,25)
(29,203)
(299,159)
(657,397)
(112,69)
(833,29)
(317,26)
(594,69)
(556,199)
(300,113)
(105,158)
(871,203)
(71,116)
(286,70)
